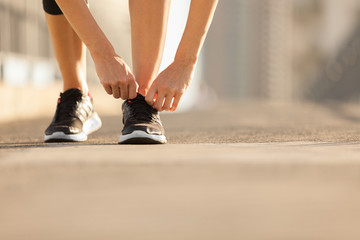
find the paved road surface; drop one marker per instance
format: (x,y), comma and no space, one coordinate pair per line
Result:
(237,171)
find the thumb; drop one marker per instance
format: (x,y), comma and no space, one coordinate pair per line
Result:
(149,98)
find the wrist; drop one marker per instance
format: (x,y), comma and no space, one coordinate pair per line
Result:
(101,50)
(186,61)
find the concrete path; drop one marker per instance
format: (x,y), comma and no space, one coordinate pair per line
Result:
(237,171)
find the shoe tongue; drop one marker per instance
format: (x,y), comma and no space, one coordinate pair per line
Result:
(71,93)
(139,105)
(140,97)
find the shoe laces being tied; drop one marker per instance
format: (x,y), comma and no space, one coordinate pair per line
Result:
(140,110)
(67,106)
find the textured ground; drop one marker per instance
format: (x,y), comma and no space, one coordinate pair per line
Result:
(236,171)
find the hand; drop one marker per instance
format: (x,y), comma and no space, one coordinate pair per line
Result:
(167,89)
(115,76)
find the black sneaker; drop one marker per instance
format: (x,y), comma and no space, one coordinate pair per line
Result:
(74,118)
(142,124)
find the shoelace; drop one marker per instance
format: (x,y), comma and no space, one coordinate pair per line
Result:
(140,110)
(66,108)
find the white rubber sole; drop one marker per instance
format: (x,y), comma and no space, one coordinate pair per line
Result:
(141,137)
(90,126)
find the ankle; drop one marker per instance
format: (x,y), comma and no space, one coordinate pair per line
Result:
(84,89)
(143,90)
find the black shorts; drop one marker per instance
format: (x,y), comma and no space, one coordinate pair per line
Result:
(51,7)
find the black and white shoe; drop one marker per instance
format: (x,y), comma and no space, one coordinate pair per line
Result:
(75,118)
(142,124)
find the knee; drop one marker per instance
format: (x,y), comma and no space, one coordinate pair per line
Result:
(51,7)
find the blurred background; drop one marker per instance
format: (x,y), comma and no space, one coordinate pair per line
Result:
(277,51)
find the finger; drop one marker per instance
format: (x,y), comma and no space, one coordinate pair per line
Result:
(108,89)
(149,98)
(132,89)
(167,103)
(116,92)
(159,101)
(124,92)
(175,103)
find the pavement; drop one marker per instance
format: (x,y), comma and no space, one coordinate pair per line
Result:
(239,170)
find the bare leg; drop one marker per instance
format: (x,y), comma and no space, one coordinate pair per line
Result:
(70,52)
(148,31)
